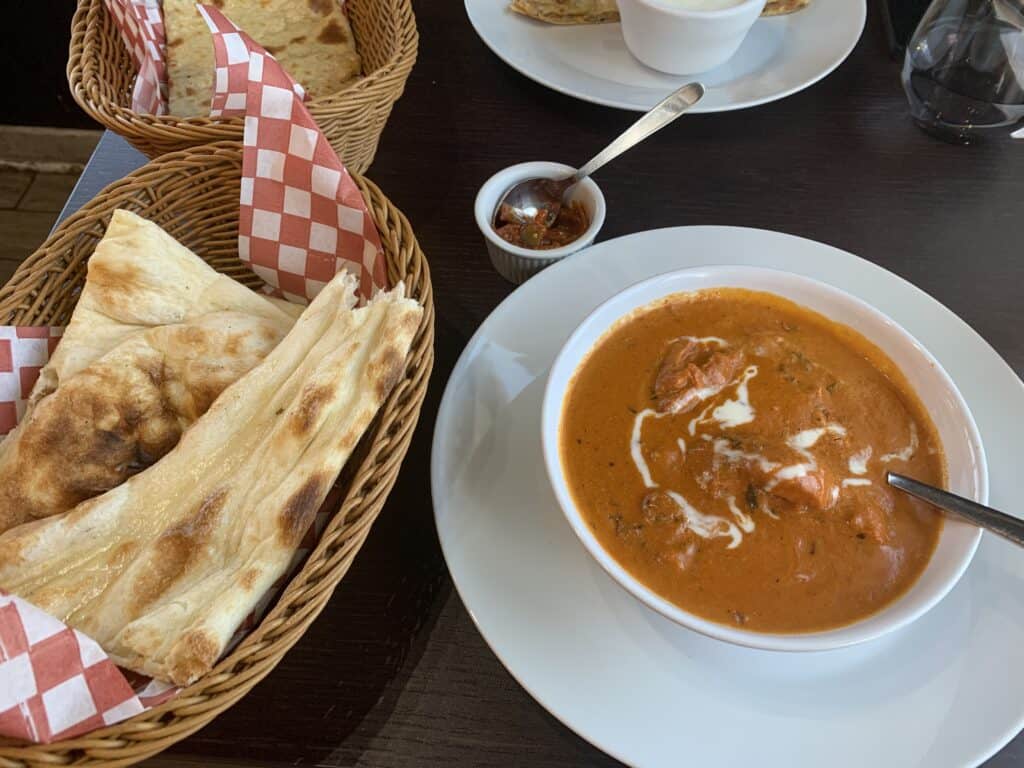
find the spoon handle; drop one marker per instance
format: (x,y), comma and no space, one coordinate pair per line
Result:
(660,116)
(1006,526)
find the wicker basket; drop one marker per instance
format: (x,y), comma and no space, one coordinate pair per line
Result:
(193,194)
(101,75)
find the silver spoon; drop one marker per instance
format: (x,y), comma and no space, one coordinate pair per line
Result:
(990,519)
(540,200)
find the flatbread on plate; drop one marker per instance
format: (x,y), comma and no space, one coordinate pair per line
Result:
(568,11)
(599,11)
(780,7)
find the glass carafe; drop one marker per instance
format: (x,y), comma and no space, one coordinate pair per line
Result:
(964,69)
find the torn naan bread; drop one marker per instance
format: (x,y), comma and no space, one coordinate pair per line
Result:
(163,568)
(311,38)
(124,411)
(568,11)
(155,336)
(138,277)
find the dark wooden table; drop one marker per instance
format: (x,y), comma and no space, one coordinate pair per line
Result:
(393,673)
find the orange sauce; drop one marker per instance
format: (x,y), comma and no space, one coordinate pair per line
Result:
(728,448)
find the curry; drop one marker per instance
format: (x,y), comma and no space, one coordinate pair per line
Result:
(729,448)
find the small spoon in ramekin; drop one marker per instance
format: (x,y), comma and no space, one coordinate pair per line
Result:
(538,201)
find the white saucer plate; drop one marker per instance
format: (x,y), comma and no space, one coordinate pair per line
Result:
(945,691)
(780,56)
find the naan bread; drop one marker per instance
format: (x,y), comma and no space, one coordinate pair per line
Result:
(311,38)
(124,411)
(155,336)
(139,277)
(163,568)
(568,11)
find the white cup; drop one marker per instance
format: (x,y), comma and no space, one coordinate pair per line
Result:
(679,41)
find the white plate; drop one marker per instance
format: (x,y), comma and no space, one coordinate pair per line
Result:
(944,691)
(781,55)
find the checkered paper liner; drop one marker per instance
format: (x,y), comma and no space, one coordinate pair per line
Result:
(24,350)
(302,217)
(301,221)
(141,23)
(58,683)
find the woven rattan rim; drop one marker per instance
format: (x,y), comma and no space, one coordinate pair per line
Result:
(101,74)
(194,194)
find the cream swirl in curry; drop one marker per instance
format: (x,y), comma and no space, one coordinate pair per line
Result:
(729,449)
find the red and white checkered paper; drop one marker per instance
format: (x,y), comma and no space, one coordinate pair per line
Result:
(142,28)
(302,220)
(302,217)
(58,683)
(24,350)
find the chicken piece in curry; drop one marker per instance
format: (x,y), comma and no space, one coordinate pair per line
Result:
(729,449)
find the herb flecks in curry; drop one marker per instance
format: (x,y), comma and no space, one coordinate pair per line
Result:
(729,449)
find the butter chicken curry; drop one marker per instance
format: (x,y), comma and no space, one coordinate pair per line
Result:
(728,448)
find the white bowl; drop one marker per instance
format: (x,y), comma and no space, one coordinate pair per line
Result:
(683,42)
(965,455)
(519,264)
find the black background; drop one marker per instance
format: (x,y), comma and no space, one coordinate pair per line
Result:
(33,59)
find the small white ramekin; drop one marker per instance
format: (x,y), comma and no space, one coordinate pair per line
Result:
(518,264)
(684,42)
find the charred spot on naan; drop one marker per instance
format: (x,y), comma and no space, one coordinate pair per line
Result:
(101,442)
(332,33)
(116,281)
(299,510)
(323,7)
(249,578)
(386,370)
(176,549)
(314,397)
(193,656)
